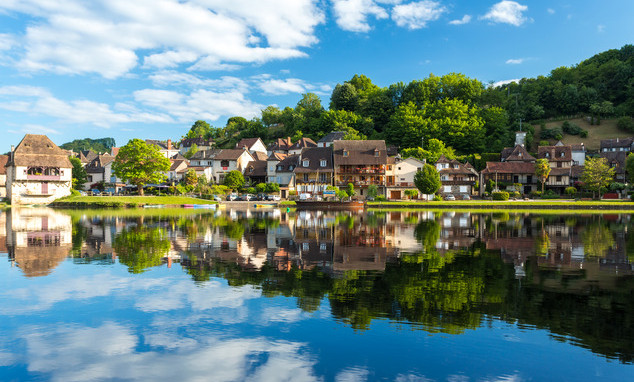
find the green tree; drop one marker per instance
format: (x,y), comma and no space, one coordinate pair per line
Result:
(542,170)
(192,150)
(79,175)
(140,164)
(272,188)
(434,148)
(629,167)
(372,191)
(260,188)
(191,178)
(427,180)
(271,116)
(199,129)
(344,97)
(350,190)
(596,175)
(234,180)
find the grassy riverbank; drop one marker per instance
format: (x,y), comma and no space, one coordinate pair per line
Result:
(126,201)
(557,204)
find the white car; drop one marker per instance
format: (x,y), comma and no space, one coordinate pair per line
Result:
(275,198)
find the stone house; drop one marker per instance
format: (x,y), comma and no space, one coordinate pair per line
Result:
(560,160)
(314,172)
(282,171)
(458,179)
(200,142)
(166,148)
(37,171)
(517,166)
(362,163)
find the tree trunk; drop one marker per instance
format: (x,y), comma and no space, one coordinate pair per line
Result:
(140,189)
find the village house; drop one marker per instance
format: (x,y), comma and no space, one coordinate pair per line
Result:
(280,146)
(617,144)
(214,164)
(99,170)
(615,152)
(178,168)
(200,143)
(3,176)
(560,160)
(400,176)
(281,170)
(314,172)
(252,144)
(362,163)
(202,162)
(517,166)
(38,172)
(165,147)
(458,179)
(301,144)
(328,139)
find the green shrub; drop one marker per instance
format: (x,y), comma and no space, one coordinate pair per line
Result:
(570,191)
(437,198)
(571,128)
(553,133)
(550,194)
(500,195)
(380,198)
(544,143)
(535,194)
(74,192)
(626,124)
(583,134)
(515,194)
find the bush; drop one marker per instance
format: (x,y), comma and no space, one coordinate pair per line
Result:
(544,143)
(437,198)
(626,124)
(515,194)
(535,194)
(554,133)
(74,192)
(570,191)
(571,128)
(500,195)
(380,198)
(583,134)
(549,194)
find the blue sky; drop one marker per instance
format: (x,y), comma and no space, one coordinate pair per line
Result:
(149,68)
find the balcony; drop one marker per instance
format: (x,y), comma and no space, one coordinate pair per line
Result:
(400,184)
(362,183)
(43,177)
(379,170)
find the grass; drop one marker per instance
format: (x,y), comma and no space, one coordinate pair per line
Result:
(558,204)
(136,212)
(126,201)
(606,130)
(287,203)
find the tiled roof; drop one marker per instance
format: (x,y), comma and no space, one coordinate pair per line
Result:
(442,159)
(555,153)
(288,164)
(281,144)
(255,168)
(617,142)
(277,156)
(3,161)
(333,136)
(247,142)
(200,141)
(259,155)
(206,154)
(359,152)
(230,154)
(315,155)
(516,154)
(509,168)
(39,150)
(303,143)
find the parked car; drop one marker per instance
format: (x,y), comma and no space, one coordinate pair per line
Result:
(304,196)
(273,197)
(232,197)
(450,197)
(466,197)
(95,192)
(261,196)
(216,198)
(248,197)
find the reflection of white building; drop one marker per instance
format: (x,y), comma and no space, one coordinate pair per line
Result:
(38,239)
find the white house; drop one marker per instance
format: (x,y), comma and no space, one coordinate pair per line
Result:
(38,172)
(401,176)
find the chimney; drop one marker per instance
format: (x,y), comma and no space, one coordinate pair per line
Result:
(12,148)
(169,144)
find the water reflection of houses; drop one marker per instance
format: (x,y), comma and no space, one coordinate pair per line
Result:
(37,239)
(458,231)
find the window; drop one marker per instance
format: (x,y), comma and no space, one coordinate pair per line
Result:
(305,163)
(399,168)
(291,167)
(345,153)
(558,178)
(322,163)
(224,163)
(279,168)
(547,155)
(376,152)
(323,178)
(306,178)
(322,247)
(446,188)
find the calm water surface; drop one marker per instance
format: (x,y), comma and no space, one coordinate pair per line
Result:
(311,296)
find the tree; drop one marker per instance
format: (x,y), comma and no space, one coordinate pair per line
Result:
(350,191)
(260,188)
(272,188)
(140,164)
(191,178)
(542,170)
(427,180)
(192,150)
(372,191)
(140,248)
(597,174)
(344,97)
(432,151)
(78,174)
(199,129)
(234,180)
(629,167)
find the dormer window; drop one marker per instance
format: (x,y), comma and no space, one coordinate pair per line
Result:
(322,163)
(291,167)
(376,152)
(345,153)
(562,155)
(279,168)
(547,155)
(305,163)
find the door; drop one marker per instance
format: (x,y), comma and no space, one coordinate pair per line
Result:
(44,188)
(395,194)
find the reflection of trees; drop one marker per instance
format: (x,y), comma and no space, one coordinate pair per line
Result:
(141,248)
(427,232)
(597,239)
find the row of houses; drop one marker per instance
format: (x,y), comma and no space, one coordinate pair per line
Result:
(37,171)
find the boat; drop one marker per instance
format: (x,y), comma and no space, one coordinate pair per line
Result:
(322,205)
(265,205)
(200,206)
(154,206)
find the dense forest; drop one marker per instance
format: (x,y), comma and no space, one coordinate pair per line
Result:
(466,115)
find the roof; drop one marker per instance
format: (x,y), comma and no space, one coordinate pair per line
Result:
(578,147)
(255,168)
(303,143)
(288,164)
(509,168)
(39,150)
(206,154)
(101,161)
(516,154)
(259,155)
(177,163)
(162,145)
(3,161)
(114,151)
(315,155)
(277,156)
(617,142)
(555,153)
(247,142)
(616,158)
(333,136)
(281,144)
(230,154)
(359,152)
(442,159)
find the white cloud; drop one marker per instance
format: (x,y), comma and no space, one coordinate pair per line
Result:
(109,351)
(515,61)
(464,20)
(507,12)
(504,82)
(352,15)
(550,11)
(600,28)
(110,37)
(416,15)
